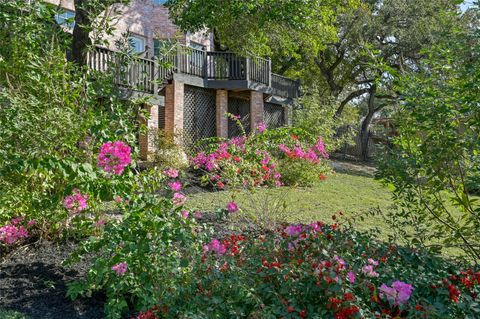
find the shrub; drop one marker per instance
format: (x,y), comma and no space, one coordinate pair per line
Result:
(61,118)
(433,161)
(267,158)
(321,271)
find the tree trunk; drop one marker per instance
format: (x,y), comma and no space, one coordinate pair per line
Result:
(81,33)
(366,123)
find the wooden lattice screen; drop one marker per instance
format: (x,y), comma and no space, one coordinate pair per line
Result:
(198,115)
(238,106)
(274,115)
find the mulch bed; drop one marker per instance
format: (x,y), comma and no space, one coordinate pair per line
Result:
(34,283)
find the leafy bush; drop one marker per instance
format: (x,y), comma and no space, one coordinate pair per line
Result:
(320,271)
(437,150)
(271,157)
(53,118)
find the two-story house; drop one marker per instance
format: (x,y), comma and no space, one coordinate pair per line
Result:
(191,87)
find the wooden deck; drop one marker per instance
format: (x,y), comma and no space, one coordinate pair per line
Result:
(217,70)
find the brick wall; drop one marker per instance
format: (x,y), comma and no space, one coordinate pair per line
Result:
(146,19)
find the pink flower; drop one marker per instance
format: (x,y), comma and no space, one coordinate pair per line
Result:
(261,127)
(293,230)
(76,202)
(175,186)
(185,214)
(120,268)
(100,223)
(12,233)
(179,199)
(369,271)
(265,160)
(32,222)
(351,277)
(118,199)
(232,207)
(320,148)
(399,293)
(215,246)
(113,157)
(198,215)
(372,262)
(170,172)
(340,261)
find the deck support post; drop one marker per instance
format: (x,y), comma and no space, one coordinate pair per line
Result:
(256,109)
(221,110)
(174,96)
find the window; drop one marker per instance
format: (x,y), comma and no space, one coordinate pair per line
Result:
(66,18)
(161,47)
(196,46)
(137,43)
(159,1)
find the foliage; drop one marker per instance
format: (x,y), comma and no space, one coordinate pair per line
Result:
(167,153)
(319,271)
(271,157)
(316,115)
(439,144)
(257,27)
(52,120)
(142,258)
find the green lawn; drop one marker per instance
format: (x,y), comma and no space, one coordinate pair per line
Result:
(347,192)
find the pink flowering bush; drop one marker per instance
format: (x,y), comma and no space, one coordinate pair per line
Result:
(266,158)
(114,157)
(15,231)
(146,255)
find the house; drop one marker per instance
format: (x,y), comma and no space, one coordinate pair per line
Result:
(191,87)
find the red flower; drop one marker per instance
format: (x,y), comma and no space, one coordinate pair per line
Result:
(322,177)
(290,309)
(302,314)
(348,296)
(453,292)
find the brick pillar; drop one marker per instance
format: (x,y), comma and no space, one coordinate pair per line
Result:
(287,115)
(256,109)
(174,96)
(147,139)
(221,109)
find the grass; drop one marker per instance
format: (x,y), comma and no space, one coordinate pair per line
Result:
(351,193)
(7,314)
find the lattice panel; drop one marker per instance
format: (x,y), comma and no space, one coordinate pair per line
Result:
(198,115)
(238,106)
(274,115)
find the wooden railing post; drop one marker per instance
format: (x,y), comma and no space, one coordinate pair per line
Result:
(247,71)
(205,65)
(269,72)
(155,77)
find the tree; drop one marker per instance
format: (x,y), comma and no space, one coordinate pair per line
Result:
(377,43)
(439,144)
(90,15)
(262,27)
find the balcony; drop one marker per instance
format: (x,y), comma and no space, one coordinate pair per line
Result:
(216,70)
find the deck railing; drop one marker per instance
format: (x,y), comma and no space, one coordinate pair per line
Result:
(284,86)
(146,75)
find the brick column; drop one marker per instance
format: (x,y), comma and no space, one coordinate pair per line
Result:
(147,139)
(221,109)
(256,109)
(174,96)
(287,113)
